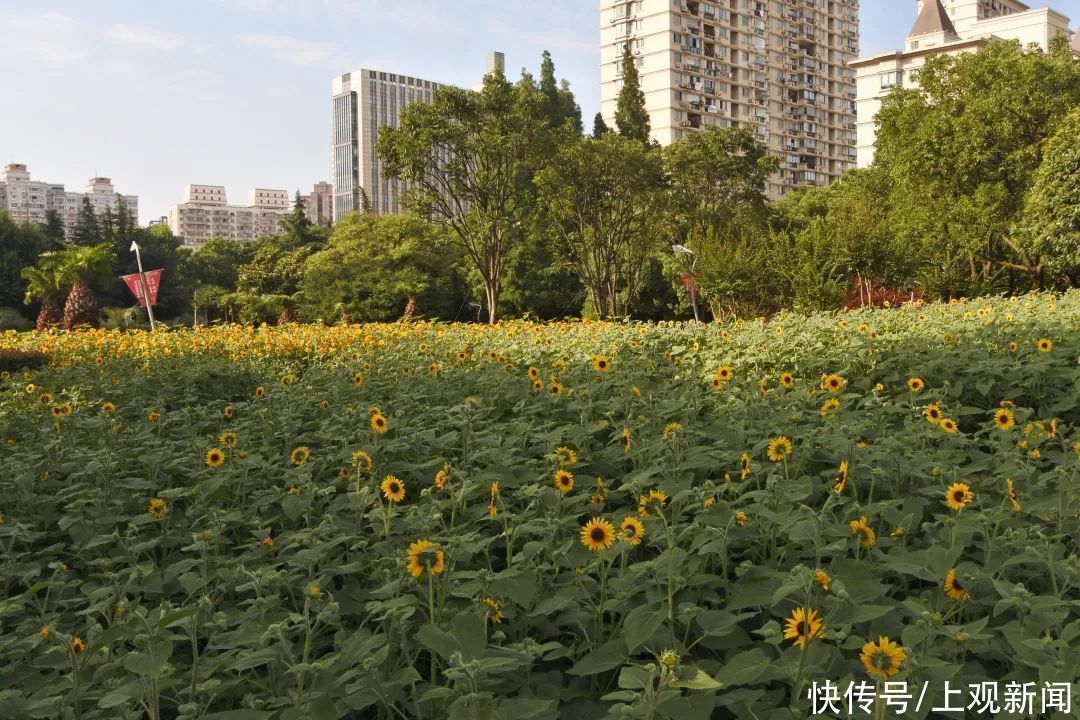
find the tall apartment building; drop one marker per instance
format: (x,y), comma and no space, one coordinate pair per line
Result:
(951,27)
(319,204)
(206,213)
(364,101)
(30,200)
(775,66)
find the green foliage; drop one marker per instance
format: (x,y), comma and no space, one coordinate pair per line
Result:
(276,586)
(631,117)
(374,265)
(20,246)
(17,361)
(88,231)
(599,127)
(961,151)
(1050,225)
(12,319)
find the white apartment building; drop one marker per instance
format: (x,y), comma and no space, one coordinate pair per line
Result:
(363,102)
(206,213)
(778,67)
(29,200)
(950,27)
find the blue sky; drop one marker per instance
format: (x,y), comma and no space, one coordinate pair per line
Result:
(237,92)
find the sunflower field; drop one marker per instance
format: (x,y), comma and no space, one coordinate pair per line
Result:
(567,520)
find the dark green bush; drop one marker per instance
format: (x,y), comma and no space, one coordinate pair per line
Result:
(19,360)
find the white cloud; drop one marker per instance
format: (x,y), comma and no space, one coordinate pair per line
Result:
(145,37)
(260,5)
(51,37)
(292,50)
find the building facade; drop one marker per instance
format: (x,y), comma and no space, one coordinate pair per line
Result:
(319,204)
(950,27)
(205,213)
(27,200)
(778,67)
(363,102)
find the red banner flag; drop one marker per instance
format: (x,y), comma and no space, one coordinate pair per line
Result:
(153,282)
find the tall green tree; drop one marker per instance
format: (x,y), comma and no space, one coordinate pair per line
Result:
(20,245)
(599,127)
(54,227)
(87,229)
(374,265)
(631,117)
(962,149)
(470,159)
(1049,230)
(603,199)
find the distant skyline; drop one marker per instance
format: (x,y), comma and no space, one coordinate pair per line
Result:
(237,92)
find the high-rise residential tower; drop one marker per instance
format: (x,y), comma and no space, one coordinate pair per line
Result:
(364,101)
(778,67)
(950,28)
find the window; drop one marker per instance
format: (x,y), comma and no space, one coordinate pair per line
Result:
(894,78)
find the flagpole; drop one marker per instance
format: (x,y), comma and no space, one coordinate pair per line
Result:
(142,281)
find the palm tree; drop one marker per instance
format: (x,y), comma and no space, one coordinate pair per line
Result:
(85,265)
(48,282)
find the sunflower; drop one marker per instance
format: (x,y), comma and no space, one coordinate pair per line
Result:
(600,496)
(861,528)
(214,457)
(344,473)
(829,406)
(325,404)
(1013,497)
(632,530)
(461,357)
(779,448)
(740,517)
(378,423)
(1045,345)
(672,428)
(958,496)
(314,592)
(803,626)
(626,439)
(260,392)
(44,633)
(948,425)
(358,379)
(933,413)
(494,608)
(392,488)
(228,439)
(597,534)
(1004,418)
(565,457)
(555,388)
(157,508)
(375,410)
(708,502)
(300,455)
(425,555)
(652,503)
(841,477)
(915,384)
(882,658)
(823,579)
(362,460)
(724,373)
(45,399)
(601,363)
(442,476)
(107,407)
(787,380)
(564,481)
(77,645)
(953,588)
(153,416)
(228,412)
(833,383)
(491,499)
(61,410)
(744,465)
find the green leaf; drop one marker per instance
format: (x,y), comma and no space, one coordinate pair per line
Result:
(699,680)
(640,624)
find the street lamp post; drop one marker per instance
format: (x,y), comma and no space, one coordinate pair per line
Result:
(142,281)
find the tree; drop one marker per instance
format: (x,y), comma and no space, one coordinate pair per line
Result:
(469,158)
(20,245)
(599,127)
(718,194)
(1050,223)
(962,149)
(375,264)
(54,228)
(296,227)
(87,231)
(602,198)
(49,282)
(276,268)
(631,117)
(84,266)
